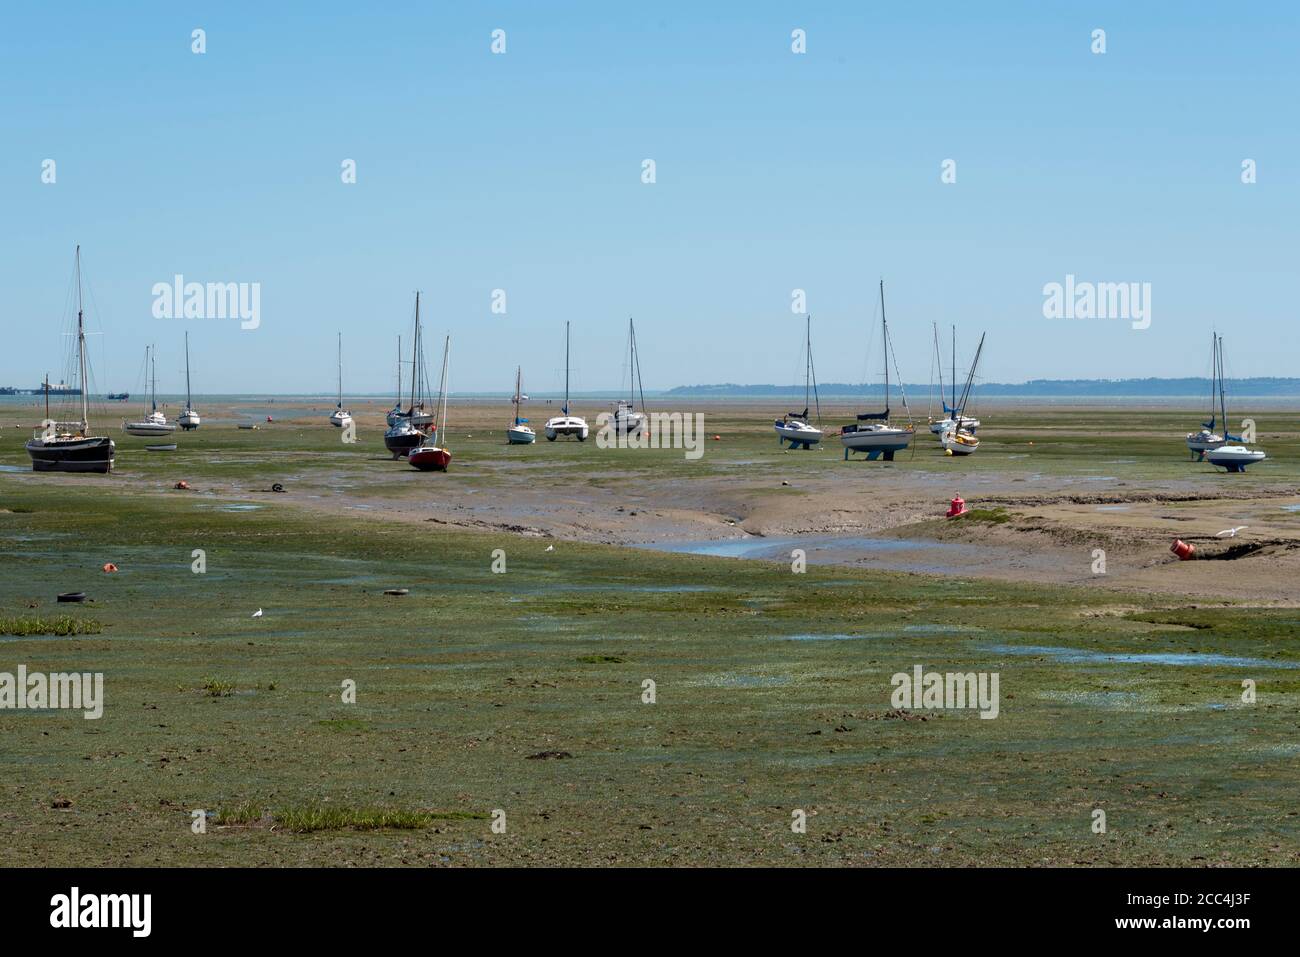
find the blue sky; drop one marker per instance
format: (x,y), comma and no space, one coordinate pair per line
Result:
(775,171)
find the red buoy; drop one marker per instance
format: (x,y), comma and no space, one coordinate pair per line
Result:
(958,507)
(1183,550)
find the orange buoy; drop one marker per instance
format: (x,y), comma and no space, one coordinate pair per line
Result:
(182,484)
(1183,550)
(269,419)
(110,567)
(958,507)
(717,438)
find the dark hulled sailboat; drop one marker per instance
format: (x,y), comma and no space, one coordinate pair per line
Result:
(69,446)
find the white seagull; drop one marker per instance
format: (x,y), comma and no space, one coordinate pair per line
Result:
(258,613)
(1230,532)
(550,548)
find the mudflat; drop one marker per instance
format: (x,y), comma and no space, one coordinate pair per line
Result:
(547,584)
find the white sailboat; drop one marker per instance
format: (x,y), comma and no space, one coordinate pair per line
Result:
(1233,458)
(960,439)
(872,433)
(70,446)
(566,424)
(189,419)
(627,420)
(340,416)
(794,427)
(1207,439)
(520,432)
(950,420)
(154,423)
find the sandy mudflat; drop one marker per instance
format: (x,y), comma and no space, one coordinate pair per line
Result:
(1070,480)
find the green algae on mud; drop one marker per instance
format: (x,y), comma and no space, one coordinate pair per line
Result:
(457,687)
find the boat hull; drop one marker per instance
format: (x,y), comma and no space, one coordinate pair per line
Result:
(430,458)
(959,443)
(148,429)
(94,454)
(1204,441)
(567,425)
(1234,458)
(875,442)
(189,421)
(518,435)
(798,434)
(401,441)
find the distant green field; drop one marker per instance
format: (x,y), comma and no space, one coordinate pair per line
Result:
(522,692)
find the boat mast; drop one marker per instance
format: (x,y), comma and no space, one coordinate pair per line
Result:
(415,351)
(565,410)
(884,338)
(807,365)
(441,424)
(188,402)
(398,402)
(340,405)
(1223,401)
(954,372)
(81,356)
(153,366)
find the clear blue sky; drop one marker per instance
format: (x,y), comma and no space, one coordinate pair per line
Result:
(775,171)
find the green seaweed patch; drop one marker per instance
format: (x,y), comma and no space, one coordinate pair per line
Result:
(60,625)
(310,818)
(994,516)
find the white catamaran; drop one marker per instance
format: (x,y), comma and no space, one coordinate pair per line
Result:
(564,423)
(872,433)
(794,427)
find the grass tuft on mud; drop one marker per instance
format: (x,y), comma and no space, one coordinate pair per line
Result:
(58,625)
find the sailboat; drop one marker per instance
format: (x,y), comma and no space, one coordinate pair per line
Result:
(415,425)
(1233,458)
(69,446)
(395,414)
(565,424)
(340,416)
(948,423)
(627,420)
(520,432)
(872,433)
(1198,443)
(960,439)
(429,457)
(155,423)
(794,427)
(189,419)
